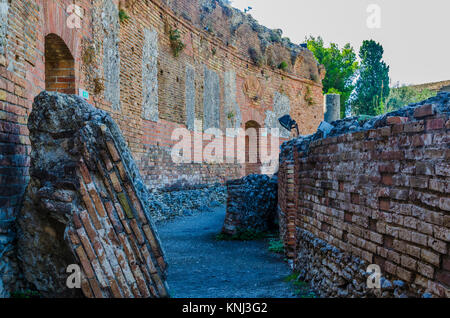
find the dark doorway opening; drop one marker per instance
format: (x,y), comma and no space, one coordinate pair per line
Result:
(59,66)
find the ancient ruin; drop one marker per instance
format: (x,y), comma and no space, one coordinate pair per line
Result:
(154,66)
(251,204)
(85,204)
(373,192)
(92,94)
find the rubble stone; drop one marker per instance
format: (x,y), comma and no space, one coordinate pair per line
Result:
(251,204)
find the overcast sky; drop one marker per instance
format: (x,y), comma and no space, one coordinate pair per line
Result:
(415,34)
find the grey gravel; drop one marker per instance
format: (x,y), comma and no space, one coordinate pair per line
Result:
(201,267)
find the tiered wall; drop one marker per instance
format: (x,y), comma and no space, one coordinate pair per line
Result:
(378,196)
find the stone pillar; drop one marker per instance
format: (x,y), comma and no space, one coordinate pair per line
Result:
(333,107)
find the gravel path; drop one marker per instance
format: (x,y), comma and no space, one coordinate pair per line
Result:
(201,267)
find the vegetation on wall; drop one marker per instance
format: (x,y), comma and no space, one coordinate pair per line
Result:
(283,66)
(99,86)
(308,96)
(123,16)
(175,43)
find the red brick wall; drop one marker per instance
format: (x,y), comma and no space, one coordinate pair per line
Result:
(59,66)
(25,70)
(380,196)
(24,66)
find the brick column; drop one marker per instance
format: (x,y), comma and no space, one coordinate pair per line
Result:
(287,207)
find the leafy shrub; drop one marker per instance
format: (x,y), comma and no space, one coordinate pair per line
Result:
(302,288)
(123,16)
(283,66)
(308,96)
(175,43)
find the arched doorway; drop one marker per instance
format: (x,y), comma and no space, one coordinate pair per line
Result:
(252,156)
(59,66)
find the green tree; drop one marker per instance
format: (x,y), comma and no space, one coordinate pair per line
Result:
(341,66)
(372,86)
(404,95)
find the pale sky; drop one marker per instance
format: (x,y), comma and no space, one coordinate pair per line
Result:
(415,34)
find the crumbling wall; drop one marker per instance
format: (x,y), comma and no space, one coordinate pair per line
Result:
(116,63)
(251,204)
(372,192)
(86,205)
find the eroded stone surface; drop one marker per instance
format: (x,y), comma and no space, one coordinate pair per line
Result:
(281,107)
(111,57)
(232,110)
(190,97)
(150,75)
(211,100)
(86,205)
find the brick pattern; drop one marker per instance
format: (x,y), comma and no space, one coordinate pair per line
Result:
(380,195)
(25,72)
(112,237)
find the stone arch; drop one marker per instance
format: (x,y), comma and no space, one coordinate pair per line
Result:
(252,141)
(59,66)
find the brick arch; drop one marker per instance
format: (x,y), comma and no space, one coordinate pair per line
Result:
(59,66)
(250,114)
(252,143)
(55,18)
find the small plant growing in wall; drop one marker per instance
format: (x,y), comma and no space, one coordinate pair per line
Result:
(175,43)
(99,87)
(231,117)
(213,51)
(88,55)
(123,16)
(283,66)
(308,96)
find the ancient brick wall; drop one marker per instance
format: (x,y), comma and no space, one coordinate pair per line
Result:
(376,196)
(128,68)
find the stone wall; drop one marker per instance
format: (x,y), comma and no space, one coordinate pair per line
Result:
(374,192)
(251,204)
(129,70)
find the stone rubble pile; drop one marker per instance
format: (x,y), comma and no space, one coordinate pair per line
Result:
(356,124)
(166,205)
(251,204)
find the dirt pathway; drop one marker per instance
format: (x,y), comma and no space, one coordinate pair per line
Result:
(201,267)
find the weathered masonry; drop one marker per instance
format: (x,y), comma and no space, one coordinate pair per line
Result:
(227,74)
(86,207)
(377,193)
